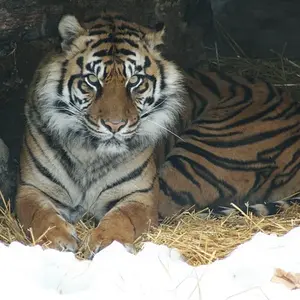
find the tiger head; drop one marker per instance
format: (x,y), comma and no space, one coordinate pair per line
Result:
(110,87)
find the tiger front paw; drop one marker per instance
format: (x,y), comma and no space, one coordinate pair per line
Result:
(61,236)
(102,237)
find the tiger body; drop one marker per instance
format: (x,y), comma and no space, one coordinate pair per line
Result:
(242,148)
(97,142)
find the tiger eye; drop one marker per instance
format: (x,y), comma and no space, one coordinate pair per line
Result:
(134,79)
(92,78)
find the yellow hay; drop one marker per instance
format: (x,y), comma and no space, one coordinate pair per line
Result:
(200,240)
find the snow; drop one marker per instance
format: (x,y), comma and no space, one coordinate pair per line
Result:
(156,272)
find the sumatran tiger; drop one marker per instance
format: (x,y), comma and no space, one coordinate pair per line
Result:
(116,131)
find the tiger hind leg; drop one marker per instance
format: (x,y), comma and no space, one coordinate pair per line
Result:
(36,212)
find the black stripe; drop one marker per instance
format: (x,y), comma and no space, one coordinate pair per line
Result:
(248,139)
(116,40)
(283,113)
(128,41)
(255,117)
(182,198)
(90,66)
(271,93)
(296,156)
(70,85)
(62,77)
(197,133)
(149,100)
(57,202)
(180,166)
(62,107)
(62,154)
(125,52)
(234,104)
(111,50)
(138,68)
(200,103)
(88,43)
(100,53)
(130,29)
(162,74)
(158,103)
(44,171)
(79,62)
(277,150)
(114,202)
(227,163)
(227,118)
(110,39)
(207,82)
(134,174)
(203,173)
(147,62)
(97,32)
(131,60)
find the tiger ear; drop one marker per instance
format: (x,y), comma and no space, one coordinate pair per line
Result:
(69,29)
(154,38)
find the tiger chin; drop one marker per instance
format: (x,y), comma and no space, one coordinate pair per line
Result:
(94,113)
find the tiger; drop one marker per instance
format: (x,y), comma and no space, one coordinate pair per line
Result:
(117,132)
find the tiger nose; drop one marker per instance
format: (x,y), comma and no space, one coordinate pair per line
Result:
(114,125)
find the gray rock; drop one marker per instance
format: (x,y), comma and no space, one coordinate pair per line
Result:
(4,153)
(8,179)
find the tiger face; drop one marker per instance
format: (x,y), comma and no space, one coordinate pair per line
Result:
(110,88)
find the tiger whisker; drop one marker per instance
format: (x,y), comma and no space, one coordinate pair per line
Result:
(154,108)
(170,131)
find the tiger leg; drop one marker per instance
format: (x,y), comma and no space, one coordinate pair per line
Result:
(36,212)
(125,222)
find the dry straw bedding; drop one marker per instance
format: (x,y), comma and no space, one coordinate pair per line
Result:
(203,240)
(200,240)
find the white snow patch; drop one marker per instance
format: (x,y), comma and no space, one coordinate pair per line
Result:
(156,272)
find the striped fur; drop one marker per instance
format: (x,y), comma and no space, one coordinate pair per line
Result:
(243,149)
(99,116)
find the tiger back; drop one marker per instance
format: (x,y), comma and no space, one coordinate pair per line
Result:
(242,148)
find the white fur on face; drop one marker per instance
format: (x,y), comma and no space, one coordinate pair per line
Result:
(160,121)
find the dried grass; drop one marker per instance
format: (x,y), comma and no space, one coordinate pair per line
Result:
(200,240)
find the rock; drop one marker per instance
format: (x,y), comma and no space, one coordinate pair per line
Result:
(4,154)
(8,178)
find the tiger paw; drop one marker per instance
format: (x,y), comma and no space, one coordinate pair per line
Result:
(100,238)
(61,237)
